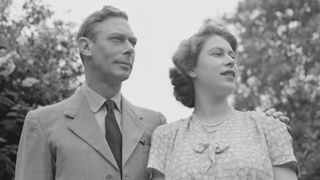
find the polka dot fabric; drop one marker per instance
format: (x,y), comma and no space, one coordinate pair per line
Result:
(245,146)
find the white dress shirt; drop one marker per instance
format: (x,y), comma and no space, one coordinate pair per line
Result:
(96,103)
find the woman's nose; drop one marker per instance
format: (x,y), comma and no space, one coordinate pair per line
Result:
(229,62)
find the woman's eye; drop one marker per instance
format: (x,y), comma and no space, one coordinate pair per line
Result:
(232,55)
(217,53)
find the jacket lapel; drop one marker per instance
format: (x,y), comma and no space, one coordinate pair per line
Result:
(133,129)
(85,126)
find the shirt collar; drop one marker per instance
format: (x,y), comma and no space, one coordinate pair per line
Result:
(96,100)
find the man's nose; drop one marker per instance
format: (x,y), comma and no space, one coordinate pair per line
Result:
(129,52)
(129,49)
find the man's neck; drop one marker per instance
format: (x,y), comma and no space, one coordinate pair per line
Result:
(106,90)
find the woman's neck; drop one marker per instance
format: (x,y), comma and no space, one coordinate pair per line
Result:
(212,109)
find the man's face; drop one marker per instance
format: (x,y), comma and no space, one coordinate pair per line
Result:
(112,50)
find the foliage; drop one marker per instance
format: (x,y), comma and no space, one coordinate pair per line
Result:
(279,56)
(280,67)
(38,66)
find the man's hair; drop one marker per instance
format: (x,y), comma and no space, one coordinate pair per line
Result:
(87,28)
(185,60)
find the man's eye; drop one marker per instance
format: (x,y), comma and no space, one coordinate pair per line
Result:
(116,39)
(133,43)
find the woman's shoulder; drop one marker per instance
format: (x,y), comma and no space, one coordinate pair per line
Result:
(170,128)
(250,116)
(257,116)
(261,117)
(265,122)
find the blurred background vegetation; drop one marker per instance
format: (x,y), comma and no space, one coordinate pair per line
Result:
(279,55)
(280,67)
(38,66)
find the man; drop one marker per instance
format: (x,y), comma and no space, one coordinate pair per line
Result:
(96,133)
(75,139)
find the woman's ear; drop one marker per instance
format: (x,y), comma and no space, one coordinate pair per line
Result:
(84,45)
(192,73)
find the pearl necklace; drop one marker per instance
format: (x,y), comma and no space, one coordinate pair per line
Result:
(194,116)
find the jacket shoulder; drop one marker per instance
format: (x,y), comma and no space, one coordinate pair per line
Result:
(52,108)
(49,112)
(153,116)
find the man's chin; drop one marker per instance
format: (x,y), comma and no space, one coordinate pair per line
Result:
(124,79)
(115,77)
(123,76)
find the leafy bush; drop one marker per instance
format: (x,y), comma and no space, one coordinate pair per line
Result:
(38,66)
(279,53)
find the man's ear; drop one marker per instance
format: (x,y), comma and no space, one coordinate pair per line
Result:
(84,45)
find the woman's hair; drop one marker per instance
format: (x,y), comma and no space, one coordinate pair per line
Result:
(186,57)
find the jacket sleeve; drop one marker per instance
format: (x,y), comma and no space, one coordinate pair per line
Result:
(34,158)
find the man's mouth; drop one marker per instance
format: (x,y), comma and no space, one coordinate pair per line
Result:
(124,63)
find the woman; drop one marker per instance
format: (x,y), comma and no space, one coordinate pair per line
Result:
(217,141)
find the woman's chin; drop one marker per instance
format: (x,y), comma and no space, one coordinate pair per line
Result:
(226,89)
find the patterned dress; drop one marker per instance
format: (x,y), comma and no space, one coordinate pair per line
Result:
(245,146)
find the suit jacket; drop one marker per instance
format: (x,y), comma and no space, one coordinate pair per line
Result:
(64,142)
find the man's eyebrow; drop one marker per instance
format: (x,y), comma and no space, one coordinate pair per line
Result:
(132,38)
(117,34)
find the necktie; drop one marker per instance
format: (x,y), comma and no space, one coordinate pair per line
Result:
(113,134)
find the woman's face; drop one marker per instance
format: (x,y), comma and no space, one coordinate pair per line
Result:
(216,70)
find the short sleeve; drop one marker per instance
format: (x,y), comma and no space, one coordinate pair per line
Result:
(159,149)
(279,142)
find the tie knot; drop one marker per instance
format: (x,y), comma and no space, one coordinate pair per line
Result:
(109,105)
